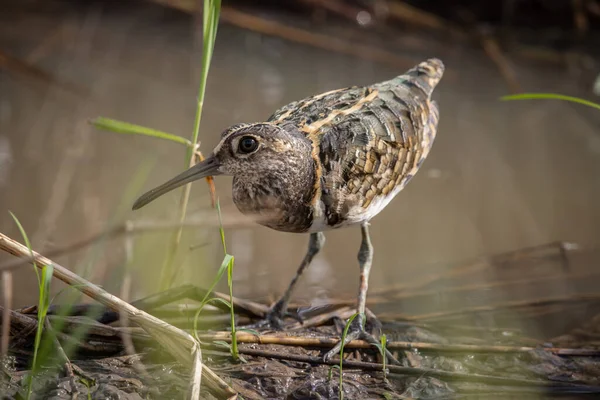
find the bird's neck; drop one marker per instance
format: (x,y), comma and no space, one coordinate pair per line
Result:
(281,196)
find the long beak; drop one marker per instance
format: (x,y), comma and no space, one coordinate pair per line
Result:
(208,167)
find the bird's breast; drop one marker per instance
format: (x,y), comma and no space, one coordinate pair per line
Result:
(277,210)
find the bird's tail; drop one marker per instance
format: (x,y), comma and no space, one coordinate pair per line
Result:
(426,75)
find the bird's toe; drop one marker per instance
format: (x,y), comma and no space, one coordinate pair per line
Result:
(355,331)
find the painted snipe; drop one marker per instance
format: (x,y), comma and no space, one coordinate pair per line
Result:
(328,161)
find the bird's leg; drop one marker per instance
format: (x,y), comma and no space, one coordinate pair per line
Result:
(279,311)
(365,259)
(356,330)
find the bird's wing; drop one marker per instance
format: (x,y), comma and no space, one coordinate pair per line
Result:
(368,141)
(313,112)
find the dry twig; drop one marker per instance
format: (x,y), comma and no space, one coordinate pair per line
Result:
(326,342)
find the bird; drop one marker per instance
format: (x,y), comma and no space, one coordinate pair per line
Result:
(328,161)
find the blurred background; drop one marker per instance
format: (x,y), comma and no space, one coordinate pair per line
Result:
(502,176)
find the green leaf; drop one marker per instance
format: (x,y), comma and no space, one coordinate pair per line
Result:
(26,239)
(550,96)
(221,343)
(113,125)
(330,373)
(250,331)
(220,273)
(219,300)
(47,272)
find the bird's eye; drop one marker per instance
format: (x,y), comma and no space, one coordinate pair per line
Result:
(247,145)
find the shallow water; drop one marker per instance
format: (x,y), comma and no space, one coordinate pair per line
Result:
(501,176)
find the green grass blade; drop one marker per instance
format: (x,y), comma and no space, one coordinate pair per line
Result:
(330,372)
(113,125)
(221,229)
(47,272)
(26,239)
(44,282)
(550,96)
(234,346)
(210,18)
(205,300)
(43,304)
(344,334)
(383,354)
(219,300)
(201,307)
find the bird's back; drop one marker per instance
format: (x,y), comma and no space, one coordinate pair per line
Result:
(368,142)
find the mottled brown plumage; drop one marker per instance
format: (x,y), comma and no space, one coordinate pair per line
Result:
(327,161)
(368,142)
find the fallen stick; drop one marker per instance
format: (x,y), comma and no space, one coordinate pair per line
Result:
(243,337)
(177,342)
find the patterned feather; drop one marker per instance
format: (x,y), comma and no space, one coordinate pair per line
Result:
(368,142)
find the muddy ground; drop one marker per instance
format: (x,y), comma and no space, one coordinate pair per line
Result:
(476,352)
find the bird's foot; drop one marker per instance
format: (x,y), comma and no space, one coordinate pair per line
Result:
(276,316)
(356,331)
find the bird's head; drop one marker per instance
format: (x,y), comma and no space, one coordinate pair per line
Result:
(259,154)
